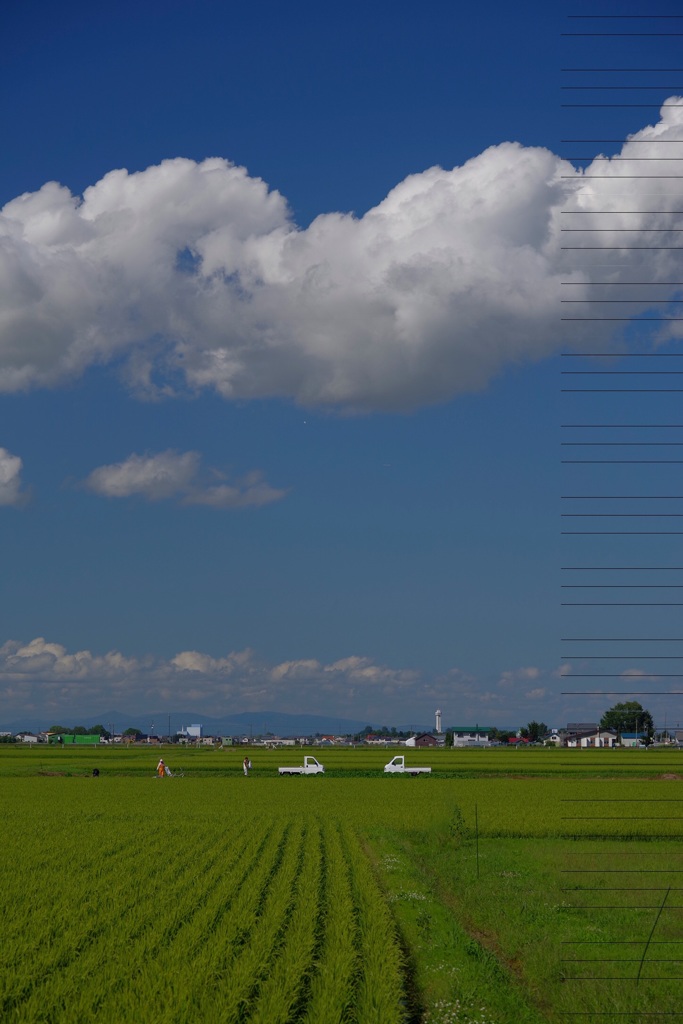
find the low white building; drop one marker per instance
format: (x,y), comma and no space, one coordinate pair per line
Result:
(471,735)
(191,732)
(600,738)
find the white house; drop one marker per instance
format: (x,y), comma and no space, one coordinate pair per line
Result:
(471,736)
(600,738)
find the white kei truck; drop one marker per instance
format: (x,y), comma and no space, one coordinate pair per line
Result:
(398,765)
(311,766)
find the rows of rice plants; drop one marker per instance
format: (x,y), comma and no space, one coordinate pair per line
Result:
(169,911)
(219,898)
(331,991)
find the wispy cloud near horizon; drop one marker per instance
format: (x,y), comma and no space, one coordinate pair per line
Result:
(44,678)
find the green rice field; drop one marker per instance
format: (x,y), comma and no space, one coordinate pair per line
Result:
(508,886)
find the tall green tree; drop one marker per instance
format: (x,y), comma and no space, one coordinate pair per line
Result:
(536,731)
(629,716)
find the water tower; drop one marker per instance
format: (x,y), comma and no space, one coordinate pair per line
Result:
(438,721)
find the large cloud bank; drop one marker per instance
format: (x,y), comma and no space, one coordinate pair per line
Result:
(193,275)
(45,678)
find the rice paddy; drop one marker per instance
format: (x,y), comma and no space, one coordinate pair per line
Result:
(532,886)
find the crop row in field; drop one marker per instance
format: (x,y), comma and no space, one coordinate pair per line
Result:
(344,762)
(334,899)
(225,916)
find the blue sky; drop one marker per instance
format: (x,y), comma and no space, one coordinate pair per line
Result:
(289,435)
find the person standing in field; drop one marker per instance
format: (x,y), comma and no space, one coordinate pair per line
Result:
(246,764)
(161,768)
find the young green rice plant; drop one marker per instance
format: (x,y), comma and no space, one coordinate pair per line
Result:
(380,996)
(197,961)
(90,940)
(262,938)
(284,987)
(331,989)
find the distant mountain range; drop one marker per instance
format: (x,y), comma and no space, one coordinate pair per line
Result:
(247,723)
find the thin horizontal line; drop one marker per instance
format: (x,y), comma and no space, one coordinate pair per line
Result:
(618,355)
(621,497)
(618,462)
(624,141)
(638,35)
(621,373)
(621,444)
(621,391)
(665,71)
(626,160)
(643,320)
(622,284)
(618,88)
(614,977)
(616,838)
(632,302)
(622,426)
(630,106)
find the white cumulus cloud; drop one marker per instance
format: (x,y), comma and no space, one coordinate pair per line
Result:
(195,272)
(45,675)
(10,479)
(45,678)
(172,474)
